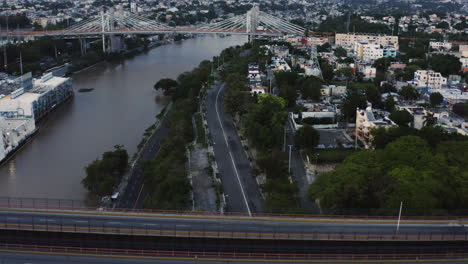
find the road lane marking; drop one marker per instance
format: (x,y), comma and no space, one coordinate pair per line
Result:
(80,221)
(114,223)
(230,154)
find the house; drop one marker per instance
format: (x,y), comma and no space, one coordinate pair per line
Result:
(429,78)
(366,120)
(441,46)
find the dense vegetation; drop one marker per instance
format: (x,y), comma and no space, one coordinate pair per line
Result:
(408,169)
(165,176)
(103,175)
(47,52)
(461,109)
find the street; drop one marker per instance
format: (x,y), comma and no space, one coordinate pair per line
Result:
(241,189)
(298,171)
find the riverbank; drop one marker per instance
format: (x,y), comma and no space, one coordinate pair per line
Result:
(118,111)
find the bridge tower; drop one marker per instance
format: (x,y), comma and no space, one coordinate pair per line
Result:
(103,30)
(252,21)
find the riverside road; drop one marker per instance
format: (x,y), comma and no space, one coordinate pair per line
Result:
(240,187)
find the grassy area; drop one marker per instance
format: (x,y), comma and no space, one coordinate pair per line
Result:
(324,156)
(201,137)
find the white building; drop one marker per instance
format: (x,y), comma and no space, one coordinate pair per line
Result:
(46,93)
(13,132)
(429,78)
(369,72)
(452,96)
(371,51)
(279,64)
(437,45)
(348,41)
(366,120)
(333,90)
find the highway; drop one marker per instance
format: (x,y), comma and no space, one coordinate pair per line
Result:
(240,187)
(233,227)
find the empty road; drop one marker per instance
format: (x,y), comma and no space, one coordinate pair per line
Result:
(239,184)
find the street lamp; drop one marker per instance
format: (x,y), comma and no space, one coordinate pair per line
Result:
(399,217)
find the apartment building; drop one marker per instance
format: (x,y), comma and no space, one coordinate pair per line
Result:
(429,78)
(371,51)
(348,41)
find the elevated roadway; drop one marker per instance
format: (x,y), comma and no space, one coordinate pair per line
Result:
(233,227)
(96,236)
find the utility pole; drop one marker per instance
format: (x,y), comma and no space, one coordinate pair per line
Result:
(21,64)
(271,77)
(289,164)
(284,140)
(355,131)
(5,60)
(399,217)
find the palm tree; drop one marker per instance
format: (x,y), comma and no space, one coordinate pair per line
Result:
(429,119)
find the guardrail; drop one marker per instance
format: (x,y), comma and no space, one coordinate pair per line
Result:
(103,252)
(74,205)
(173,231)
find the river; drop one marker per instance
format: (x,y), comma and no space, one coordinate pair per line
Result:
(118,110)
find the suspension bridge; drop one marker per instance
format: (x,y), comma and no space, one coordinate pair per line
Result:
(110,23)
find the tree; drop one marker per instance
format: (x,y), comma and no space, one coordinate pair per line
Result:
(408,72)
(387,88)
(324,48)
(382,64)
(390,104)
(401,117)
(327,70)
(406,169)
(443,25)
(264,123)
(436,99)
(408,92)
(307,137)
(461,109)
(102,175)
(445,64)
(340,52)
(346,73)
(461,26)
(373,95)
(429,119)
(311,88)
(353,100)
(167,85)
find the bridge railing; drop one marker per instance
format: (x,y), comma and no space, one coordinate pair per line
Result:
(102,252)
(77,205)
